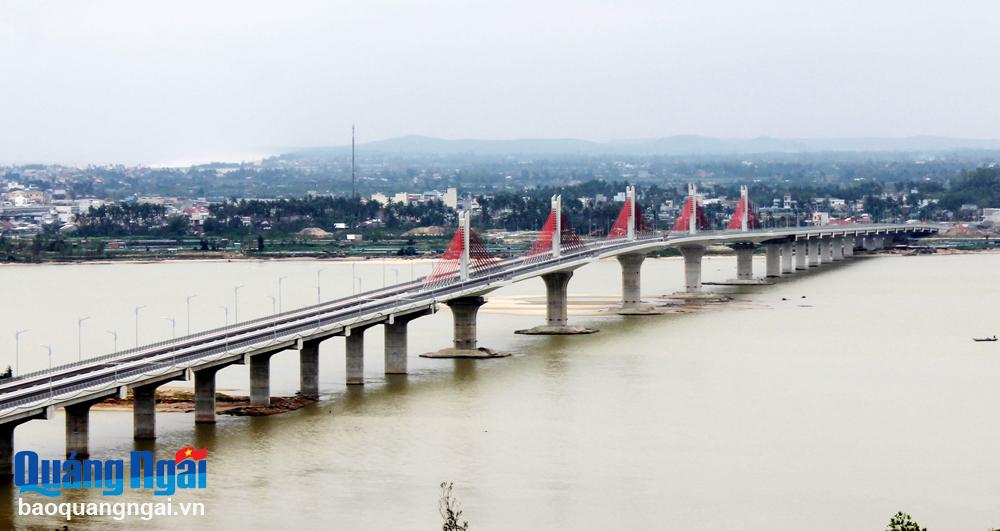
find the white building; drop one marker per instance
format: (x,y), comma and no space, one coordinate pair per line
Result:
(451,198)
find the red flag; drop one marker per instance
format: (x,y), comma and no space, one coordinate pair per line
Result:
(189,451)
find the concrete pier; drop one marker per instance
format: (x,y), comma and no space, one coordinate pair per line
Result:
(849,243)
(786,259)
(800,255)
(631,281)
(773,259)
(838,249)
(7,442)
(744,261)
(824,250)
(464,311)
(556,307)
(78,428)
(813,244)
(395,341)
(144,411)
(260,379)
(309,368)
(355,359)
(692,266)
(204,395)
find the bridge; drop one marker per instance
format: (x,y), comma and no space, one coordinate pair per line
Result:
(465,273)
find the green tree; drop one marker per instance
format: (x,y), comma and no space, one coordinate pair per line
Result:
(903,522)
(451,510)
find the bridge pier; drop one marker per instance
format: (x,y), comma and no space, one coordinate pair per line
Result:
(773,259)
(631,283)
(824,250)
(868,243)
(463,311)
(800,255)
(744,261)
(78,428)
(355,358)
(838,249)
(849,244)
(786,259)
(260,379)
(7,442)
(692,266)
(204,395)
(813,244)
(556,304)
(309,368)
(395,341)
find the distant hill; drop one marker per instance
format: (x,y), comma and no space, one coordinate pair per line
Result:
(671,145)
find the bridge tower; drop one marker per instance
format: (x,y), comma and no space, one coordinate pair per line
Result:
(745,203)
(630,204)
(557,231)
(465,259)
(693,198)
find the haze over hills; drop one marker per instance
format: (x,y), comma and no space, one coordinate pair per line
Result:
(672,145)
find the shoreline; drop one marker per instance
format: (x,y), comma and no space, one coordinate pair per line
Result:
(713,250)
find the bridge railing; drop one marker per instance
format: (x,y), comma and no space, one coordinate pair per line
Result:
(200,334)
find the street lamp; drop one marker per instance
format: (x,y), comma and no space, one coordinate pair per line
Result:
(319,288)
(137,308)
(173,326)
(236,303)
(79,337)
(359,284)
(189,297)
(280,300)
(49,348)
(114,334)
(274,304)
(17,350)
(353,274)
(395,271)
(226,309)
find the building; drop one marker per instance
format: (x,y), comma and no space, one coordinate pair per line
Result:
(821,218)
(991,214)
(451,198)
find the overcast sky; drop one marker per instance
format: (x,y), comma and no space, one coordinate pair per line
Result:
(128,81)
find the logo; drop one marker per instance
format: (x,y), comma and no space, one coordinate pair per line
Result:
(49,477)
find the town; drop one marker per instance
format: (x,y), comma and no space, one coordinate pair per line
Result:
(101,212)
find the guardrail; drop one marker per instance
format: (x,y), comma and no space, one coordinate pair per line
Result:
(506,269)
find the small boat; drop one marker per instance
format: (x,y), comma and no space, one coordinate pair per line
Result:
(994,338)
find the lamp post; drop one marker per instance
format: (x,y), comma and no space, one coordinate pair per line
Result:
(79,337)
(226,309)
(49,348)
(353,274)
(274,304)
(319,288)
(114,333)
(137,308)
(280,299)
(173,327)
(236,303)
(17,350)
(188,302)
(395,271)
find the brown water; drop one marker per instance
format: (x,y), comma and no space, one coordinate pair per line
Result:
(829,412)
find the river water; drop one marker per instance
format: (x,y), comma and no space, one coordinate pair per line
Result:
(774,411)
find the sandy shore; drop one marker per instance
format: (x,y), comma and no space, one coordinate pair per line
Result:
(181,400)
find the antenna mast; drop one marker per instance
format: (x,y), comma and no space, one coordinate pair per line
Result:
(354,189)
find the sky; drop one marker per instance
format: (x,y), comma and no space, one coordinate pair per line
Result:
(120,81)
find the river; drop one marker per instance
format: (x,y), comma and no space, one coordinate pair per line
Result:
(829,400)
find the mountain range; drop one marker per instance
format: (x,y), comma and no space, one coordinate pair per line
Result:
(671,145)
